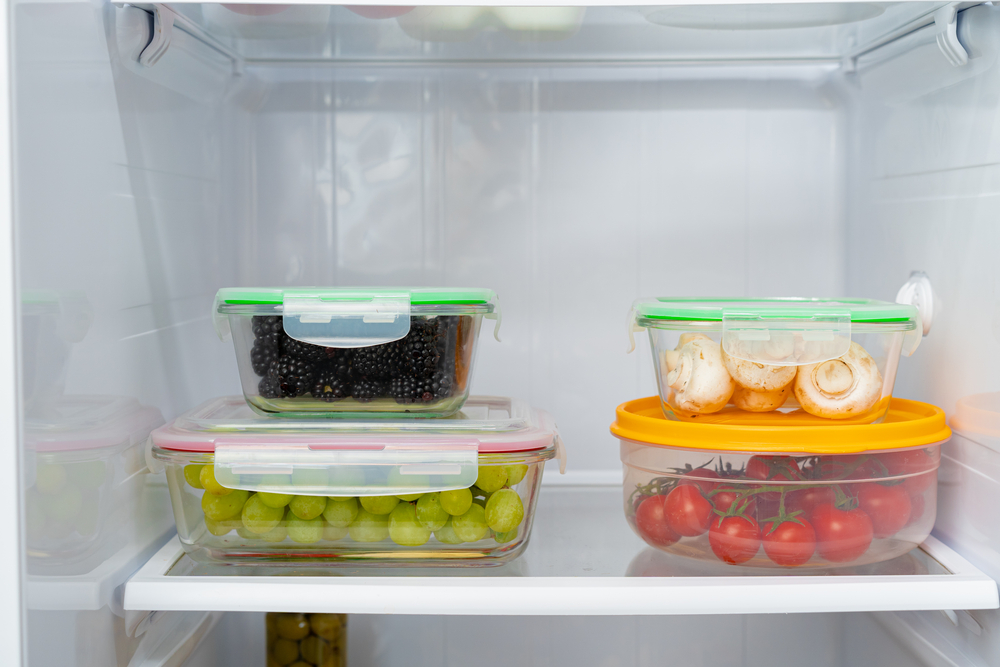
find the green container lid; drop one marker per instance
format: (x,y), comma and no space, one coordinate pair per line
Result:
(418,296)
(712,309)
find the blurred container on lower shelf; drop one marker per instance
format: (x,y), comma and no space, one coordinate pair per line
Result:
(306,640)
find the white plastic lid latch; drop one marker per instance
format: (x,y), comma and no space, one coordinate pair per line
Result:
(633,327)
(358,467)
(560,454)
(786,341)
(917,292)
(348,319)
(496,315)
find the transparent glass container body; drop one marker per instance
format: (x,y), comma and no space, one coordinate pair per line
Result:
(486,525)
(309,639)
(780,510)
(854,388)
(427,373)
(66,508)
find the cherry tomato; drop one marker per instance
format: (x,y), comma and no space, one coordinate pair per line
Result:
(841,535)
(724,497)
(858,466)
(652,522)
(688,512)
(916,509)
(734,539)
(778,468)
(912,462)
(700,476)
(789,543)
(809,499)
(888,507)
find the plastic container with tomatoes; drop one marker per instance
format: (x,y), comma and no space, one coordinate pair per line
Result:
(794,496)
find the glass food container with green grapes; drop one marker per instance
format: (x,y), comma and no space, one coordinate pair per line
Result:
(354,351)
(460,490)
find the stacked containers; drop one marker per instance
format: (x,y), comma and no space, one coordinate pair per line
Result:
(332,463)
(775,440)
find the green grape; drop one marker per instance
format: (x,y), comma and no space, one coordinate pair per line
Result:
(334,533)
(327,626)
(259,518)
(504,511)
(220,528)
(404,529)
(471,526)
(192,475)
(515,473)
(277,500)
(491,478)
(277,534)
(224,507)
(456,502)
(305,531)
(49,477)
(63,504)
(430,514)
(446,534)
(409,498)
(292,626)
(314,650)
(341,512)
(503,538)
(368,527)
(285,651)
(211,484)
(88,474)
(307,507)
(242,531)
(379,504)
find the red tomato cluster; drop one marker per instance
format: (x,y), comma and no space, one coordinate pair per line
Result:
(836,521)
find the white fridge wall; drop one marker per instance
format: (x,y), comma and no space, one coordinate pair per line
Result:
(568,192)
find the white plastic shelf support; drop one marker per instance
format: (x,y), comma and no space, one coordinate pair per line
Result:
(583,560)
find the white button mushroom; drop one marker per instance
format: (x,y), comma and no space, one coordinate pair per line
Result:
(756,376)
(761,401)
(839,388)
(670,357)
(699,379)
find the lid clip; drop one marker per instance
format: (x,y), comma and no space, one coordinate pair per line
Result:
(786,341)
(348,318)
(917,292)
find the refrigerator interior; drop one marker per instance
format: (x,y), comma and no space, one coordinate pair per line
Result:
(571,171)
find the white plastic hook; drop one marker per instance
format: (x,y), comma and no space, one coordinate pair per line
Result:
(917,291)
(946,21)
(163,26)
(633,328)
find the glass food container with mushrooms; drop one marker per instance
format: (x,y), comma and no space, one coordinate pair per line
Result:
(776,361)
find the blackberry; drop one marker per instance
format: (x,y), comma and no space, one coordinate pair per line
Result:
(329,387)
(366,390)
(373,362)
(267,324)
(294,376)
(414,390)
(305,351)
(269,388)
(264,351)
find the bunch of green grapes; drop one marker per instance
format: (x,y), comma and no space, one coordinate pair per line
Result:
(65,500)
(489,508)
(306,640)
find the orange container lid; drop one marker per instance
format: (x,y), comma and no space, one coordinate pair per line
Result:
(907,424)
(978,413)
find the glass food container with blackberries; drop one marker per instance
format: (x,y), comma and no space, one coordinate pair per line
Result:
(342,352)
(790,497)
(459,490)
